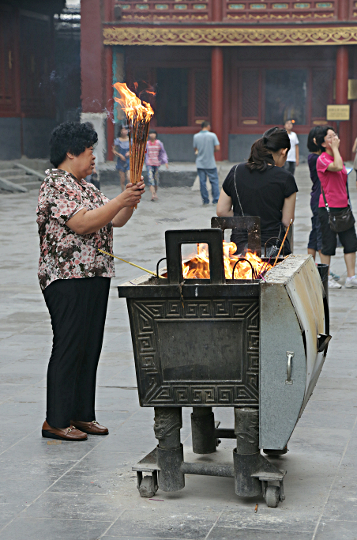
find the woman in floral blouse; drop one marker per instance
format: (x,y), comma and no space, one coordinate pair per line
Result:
(74,220)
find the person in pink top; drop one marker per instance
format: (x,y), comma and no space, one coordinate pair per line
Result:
(333,178)
(154,157)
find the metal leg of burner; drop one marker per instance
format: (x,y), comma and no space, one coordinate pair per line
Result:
(246,455)
(169,452)
(203,430)
(253,474)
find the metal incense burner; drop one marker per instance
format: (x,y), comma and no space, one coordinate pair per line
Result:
(257,346)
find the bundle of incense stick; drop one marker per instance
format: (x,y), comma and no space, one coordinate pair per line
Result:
(138,114)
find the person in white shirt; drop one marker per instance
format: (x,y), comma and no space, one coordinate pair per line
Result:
(293,154)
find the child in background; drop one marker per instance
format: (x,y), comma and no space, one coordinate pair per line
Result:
(154,157)
(293,154)
(121,150)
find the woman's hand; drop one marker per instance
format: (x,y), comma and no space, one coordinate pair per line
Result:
(335,143)
(122,157)
(337,164)
(127,154)
(131,196)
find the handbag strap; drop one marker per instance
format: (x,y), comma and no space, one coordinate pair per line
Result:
(235,185)
(323,194)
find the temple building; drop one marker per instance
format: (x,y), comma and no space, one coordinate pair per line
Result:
(39,74)
(245,66)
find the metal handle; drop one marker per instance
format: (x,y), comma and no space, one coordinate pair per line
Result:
(290,356)
(212,237)
(251,224)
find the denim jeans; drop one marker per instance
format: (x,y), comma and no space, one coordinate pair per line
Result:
(213,178)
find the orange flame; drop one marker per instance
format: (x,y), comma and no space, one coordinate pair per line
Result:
(198,266)
(133,107)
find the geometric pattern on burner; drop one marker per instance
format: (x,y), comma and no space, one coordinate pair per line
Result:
(238,385)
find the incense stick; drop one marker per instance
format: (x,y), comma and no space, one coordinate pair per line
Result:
(281,247)
(128,262)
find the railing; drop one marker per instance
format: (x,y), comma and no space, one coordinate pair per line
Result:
(238,11)
(271,10)
(174,10)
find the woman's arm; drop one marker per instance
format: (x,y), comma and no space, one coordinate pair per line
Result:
(224,205)
(118,154)
(288,211)
(337,164)
(89,221)
(122,216)
(354,147)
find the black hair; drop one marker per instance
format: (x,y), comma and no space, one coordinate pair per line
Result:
(121,127)
(312,147)
(289,120)
(153,131)
(70,137)
(205,124)
(320,137)
(261,153)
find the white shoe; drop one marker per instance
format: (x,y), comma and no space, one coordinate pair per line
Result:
(351,283)
(332,284)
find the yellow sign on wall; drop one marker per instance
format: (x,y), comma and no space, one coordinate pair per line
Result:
(338,112)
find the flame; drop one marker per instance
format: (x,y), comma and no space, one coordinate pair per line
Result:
(197,267)
(133,107)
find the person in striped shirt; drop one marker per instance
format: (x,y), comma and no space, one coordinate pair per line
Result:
(154,157)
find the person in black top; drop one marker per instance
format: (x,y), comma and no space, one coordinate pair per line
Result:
(315,238)
(262,187)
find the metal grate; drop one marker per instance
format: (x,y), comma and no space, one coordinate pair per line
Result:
(321,91)
(250,93)
(202,94)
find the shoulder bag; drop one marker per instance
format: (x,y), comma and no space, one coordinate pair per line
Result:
(339,221)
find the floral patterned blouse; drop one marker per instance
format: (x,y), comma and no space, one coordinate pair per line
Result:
(65,254)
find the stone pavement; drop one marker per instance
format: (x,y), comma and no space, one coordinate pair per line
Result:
(86,491)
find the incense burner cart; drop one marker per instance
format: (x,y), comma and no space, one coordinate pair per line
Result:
(256,346)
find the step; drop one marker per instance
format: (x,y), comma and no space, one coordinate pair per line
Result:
(32,185)
(11,172)
(20,179)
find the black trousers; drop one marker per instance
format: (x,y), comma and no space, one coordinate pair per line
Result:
(78,310)
(290,166)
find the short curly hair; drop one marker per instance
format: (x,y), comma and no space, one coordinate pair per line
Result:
(70,137)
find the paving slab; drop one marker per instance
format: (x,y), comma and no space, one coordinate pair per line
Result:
(87,491)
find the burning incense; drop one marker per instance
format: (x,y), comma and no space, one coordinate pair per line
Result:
(281,247)
(138,114)
(128,262)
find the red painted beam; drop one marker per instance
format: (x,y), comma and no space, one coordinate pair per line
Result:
(217,95)
(92,72)
(342,97)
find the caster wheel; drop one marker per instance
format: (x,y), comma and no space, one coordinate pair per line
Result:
(276,453)
(147,487)
(272,496)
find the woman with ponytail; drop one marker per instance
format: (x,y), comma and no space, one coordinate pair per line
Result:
(262,187)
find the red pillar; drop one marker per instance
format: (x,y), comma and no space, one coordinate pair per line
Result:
(109,101)
(343,10)
(217,10)
(217,95)
(342,97)
(92,64)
